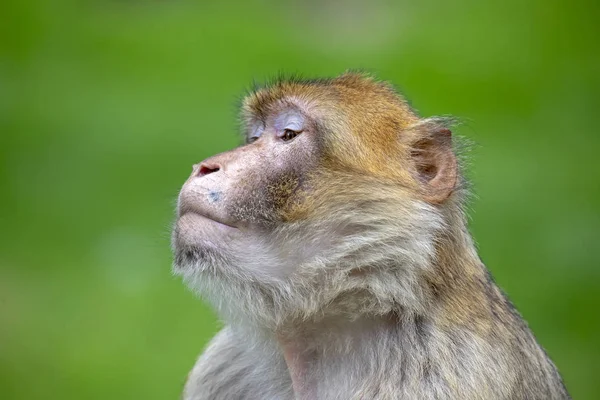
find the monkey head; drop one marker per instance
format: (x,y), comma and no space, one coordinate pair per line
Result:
(339,191)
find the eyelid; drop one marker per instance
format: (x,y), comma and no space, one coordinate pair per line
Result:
(296,127)
(290,119)
(255,134)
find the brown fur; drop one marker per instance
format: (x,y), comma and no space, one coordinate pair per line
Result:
(383,294)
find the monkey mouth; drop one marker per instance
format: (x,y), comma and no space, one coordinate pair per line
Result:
(201,212)
(196,232)
(207,217)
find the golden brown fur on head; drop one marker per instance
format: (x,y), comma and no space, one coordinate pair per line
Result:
(365,128)
(361,119)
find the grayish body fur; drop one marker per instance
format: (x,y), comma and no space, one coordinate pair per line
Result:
(396,353)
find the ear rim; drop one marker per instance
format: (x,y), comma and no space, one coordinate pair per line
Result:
(432,147)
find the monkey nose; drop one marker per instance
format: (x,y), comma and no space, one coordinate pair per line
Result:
(206,168)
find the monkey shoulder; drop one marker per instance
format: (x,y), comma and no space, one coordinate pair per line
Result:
(231,367)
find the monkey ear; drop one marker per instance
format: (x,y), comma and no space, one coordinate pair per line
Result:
(435,163)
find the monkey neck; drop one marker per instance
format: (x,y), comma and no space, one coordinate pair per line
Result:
(458,298)
(460,290)
(327,351)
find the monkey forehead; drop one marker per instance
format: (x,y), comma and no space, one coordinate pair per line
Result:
(360,95)
(263,106)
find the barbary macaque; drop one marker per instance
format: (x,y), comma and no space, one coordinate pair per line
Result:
(334,246)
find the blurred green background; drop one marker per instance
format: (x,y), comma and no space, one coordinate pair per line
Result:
(105,105)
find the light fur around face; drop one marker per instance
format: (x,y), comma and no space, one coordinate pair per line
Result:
(340,260)
(298,271)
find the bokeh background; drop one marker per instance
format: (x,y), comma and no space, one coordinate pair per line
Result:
(105,105)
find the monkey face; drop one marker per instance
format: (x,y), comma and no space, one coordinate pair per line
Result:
(233,203)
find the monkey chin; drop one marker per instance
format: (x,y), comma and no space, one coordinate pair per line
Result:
(200,240)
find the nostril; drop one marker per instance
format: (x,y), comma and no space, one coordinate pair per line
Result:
(207,169)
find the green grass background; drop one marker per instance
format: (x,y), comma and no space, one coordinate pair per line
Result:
(105,105)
